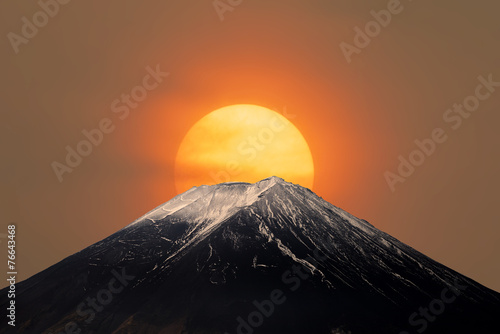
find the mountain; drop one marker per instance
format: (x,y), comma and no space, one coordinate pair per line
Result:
(269,257)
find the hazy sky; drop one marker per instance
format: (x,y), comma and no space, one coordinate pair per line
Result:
(358,117)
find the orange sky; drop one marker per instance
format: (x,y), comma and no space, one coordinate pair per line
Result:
(357,118)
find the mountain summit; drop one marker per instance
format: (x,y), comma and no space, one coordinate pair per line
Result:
(269,257)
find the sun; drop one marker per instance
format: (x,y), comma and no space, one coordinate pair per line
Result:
(243,143)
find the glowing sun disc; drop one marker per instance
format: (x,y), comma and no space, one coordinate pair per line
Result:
(244,143)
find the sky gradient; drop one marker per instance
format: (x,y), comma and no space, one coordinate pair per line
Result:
(357,117)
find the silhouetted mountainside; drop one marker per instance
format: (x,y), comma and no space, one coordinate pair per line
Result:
(269,257)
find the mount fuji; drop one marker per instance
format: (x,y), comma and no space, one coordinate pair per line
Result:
(269,257)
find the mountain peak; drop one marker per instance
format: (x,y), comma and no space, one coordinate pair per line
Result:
(268,181)
(274,179)
(215,201)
